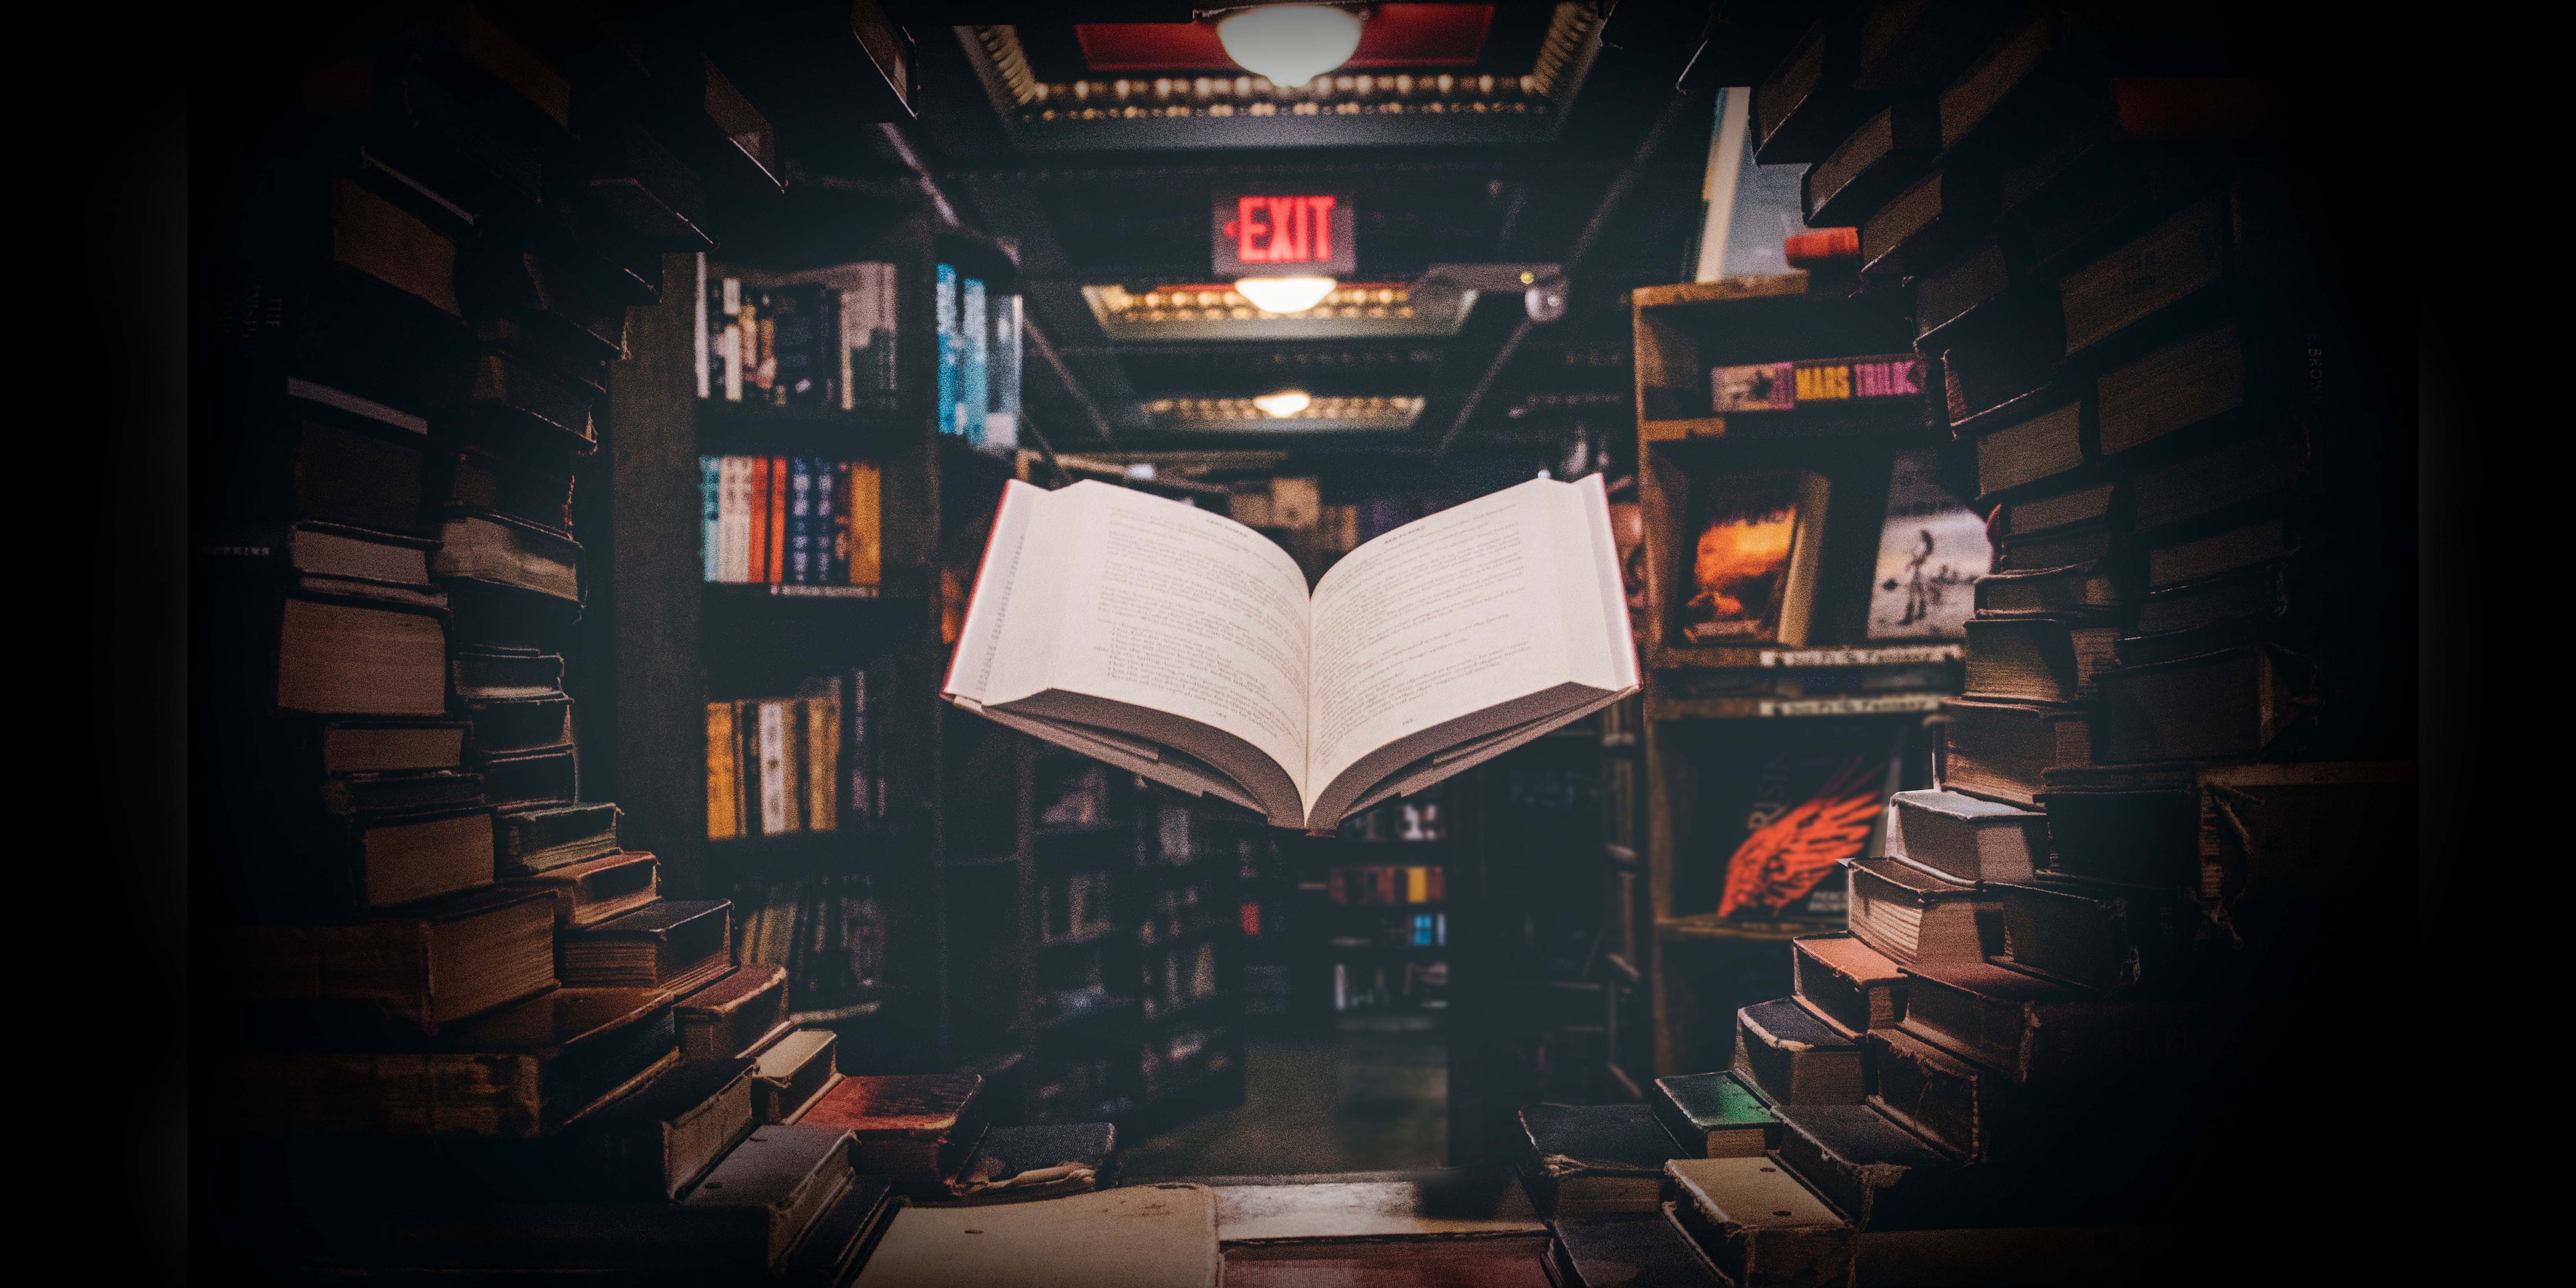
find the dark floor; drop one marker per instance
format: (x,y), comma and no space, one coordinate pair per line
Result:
(1360,1100)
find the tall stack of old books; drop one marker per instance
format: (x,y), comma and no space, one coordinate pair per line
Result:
(2173,789)
(450,992)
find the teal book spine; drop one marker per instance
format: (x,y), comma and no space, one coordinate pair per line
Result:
(945,305)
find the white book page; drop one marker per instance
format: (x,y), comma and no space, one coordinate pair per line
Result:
(1452,615)
(1171,608)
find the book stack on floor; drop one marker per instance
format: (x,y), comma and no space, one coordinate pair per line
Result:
(472,1035)
(2046,1032)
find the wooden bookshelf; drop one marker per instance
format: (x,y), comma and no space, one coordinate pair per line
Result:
(960,860)
(1679,969)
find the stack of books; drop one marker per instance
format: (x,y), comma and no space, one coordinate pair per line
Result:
(472,1036)
(2149,805)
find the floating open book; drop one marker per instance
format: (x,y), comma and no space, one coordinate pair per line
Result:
(1182,645)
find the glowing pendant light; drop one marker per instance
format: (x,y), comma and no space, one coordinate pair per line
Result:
(1283,404)
(1289,43)
(1285,294)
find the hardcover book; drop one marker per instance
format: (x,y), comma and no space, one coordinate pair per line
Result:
(917,1130)
(1932,554)
(1913,914)
(1851,984)
(1594,1160)
(656,1143)
(1714,1115)
(1965,838)
(1758,1224)
(738,1015)
(790,1073)
(596,890)
(1791,1057)
(1182,646)
(673,944)
(1758,541)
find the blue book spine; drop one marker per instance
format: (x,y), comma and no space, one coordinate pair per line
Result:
(945,305)
(800,521)
(975,385)
(1422,928)
(827,564)
(711,499)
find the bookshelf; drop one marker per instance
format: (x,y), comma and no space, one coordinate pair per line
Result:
(1676,970)
(961,864)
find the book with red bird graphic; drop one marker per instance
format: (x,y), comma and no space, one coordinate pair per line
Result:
(1779,810)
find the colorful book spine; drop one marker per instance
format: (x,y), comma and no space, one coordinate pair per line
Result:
(733,561)
(951,353)
(800,521)
(705,370)
(828,565)
(729,345)
(711,500)
(756,491)
(863,526)
(777,803)
(974,372)
(776,545)
(1002,423)
(724,787)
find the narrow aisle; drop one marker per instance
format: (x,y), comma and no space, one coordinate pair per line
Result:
(1356,1100)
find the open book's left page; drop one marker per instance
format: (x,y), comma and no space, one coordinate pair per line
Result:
(1167,640)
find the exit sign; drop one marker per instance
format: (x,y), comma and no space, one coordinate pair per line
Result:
(1283,234)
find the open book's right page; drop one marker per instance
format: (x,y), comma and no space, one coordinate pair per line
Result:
(1457,630)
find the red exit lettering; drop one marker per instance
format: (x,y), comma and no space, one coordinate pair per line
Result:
(1283,230)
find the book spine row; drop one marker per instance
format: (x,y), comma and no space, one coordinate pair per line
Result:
(979,361)
(827,341)
(778,766)
(1386,884)
(1360,986)
(790,520)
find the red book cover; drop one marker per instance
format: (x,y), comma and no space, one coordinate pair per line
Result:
(1822,244)
(777,516)
(759,569)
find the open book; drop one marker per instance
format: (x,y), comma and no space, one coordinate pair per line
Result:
(1182,645)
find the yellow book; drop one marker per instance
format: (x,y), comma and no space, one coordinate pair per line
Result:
(863,525)
(1417,885)
(724,819)
(822,763)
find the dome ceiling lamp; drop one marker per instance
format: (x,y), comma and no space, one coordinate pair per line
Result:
(1283,404)
(1285,294)
(1290,43)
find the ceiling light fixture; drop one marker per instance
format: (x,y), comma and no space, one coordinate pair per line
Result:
(1290,43)
(1283,404)
(1285,294)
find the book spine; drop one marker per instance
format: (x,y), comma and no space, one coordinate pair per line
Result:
(827,521)
(774,545)
(731,344)
(867,797)
(974,372)
(711,502)
(945,306)
(822,763)
(756,566)
(800,521)
(843,339)
(1002,423)
(775,805)
(863,525)
(698,323)
(724,793)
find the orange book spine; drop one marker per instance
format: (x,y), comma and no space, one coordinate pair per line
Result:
(759,562)
(777,520)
